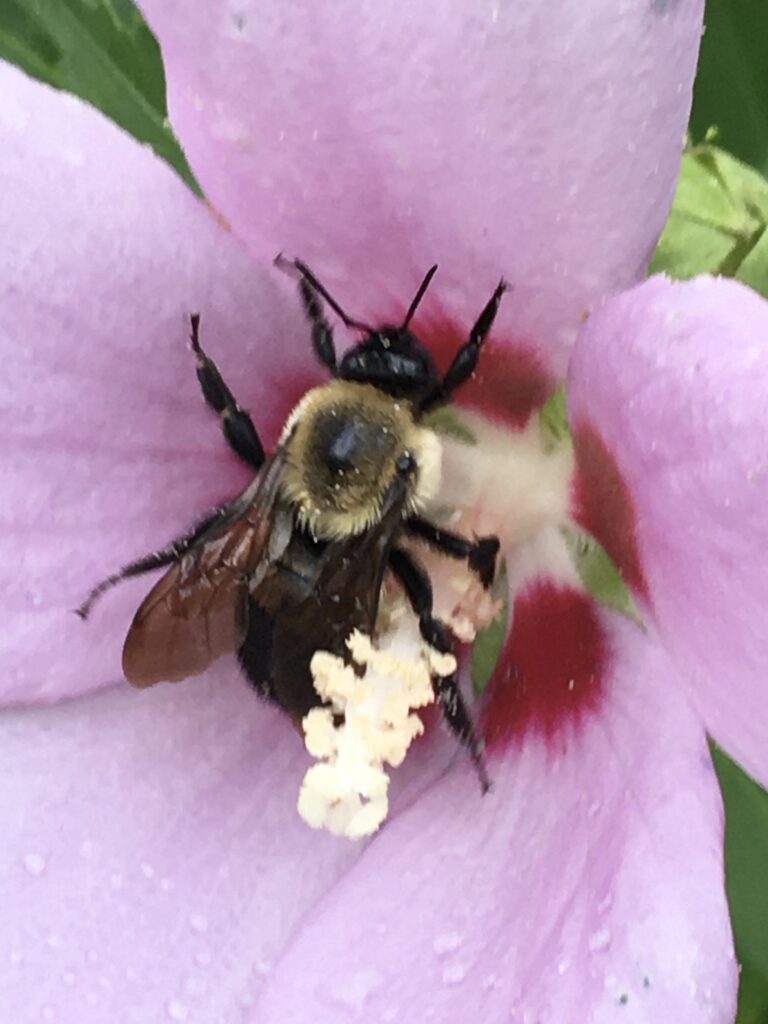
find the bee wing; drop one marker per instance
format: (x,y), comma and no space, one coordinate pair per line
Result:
(197,611)
(346,595)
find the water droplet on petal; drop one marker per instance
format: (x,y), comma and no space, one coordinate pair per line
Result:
(194,986)
(354,990)
(593,808)
(176,1010)
(446,943)
(605,903)
(453,974)
(68,977)
(563,966)
(47,1013)
(34,863)
(203,957)
(198,923)
(147,870)
(600,940)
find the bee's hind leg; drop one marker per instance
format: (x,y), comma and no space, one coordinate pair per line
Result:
(418,588)
(236,424)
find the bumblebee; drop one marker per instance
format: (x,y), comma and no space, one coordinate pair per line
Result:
(297,561)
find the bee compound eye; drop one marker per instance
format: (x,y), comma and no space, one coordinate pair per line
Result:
(406,463)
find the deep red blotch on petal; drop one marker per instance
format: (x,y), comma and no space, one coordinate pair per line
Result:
(553,669)
(603,505)
(510,382)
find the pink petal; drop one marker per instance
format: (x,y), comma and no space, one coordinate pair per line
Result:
(587,886)
(540,142)
(671,427)
(153,862)
(108,451)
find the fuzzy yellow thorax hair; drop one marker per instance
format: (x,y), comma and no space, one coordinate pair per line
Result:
(334,503)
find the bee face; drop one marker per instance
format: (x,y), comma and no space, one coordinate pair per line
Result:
(344,444)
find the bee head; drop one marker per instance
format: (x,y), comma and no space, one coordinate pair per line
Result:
(346,444)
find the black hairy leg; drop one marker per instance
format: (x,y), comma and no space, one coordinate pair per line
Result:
(236,424)
(418,589)
(155,560)
(480,554)
(311,292)
(465,360)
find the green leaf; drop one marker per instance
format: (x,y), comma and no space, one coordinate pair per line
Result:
(598,573)
(718,220)
(731,88)
(746,861)
(554,420)
(102,51)
(446,421)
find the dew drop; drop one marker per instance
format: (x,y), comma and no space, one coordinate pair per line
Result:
(194,986)
(446,943)
(34,863)
(47,1013)
(198,923)
(593,808)
(87,849)
(354,990)
(600,940)
(563,966)
(176,1010)
(203,957)
(453,974)
(147,870)
(605,903)
(68,977)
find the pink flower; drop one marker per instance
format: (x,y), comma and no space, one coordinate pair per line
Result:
(153,862)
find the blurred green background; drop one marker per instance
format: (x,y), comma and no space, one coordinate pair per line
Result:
(103,51)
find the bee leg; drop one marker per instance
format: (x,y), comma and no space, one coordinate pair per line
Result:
(322,332)
(236,424)
(465,360)
(156,560)
(480,554)
(418,589)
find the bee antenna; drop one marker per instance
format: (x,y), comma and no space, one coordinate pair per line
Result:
(285,264)
(419,295)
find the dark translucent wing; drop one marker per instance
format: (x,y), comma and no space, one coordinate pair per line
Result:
(197,611)
(345,596)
